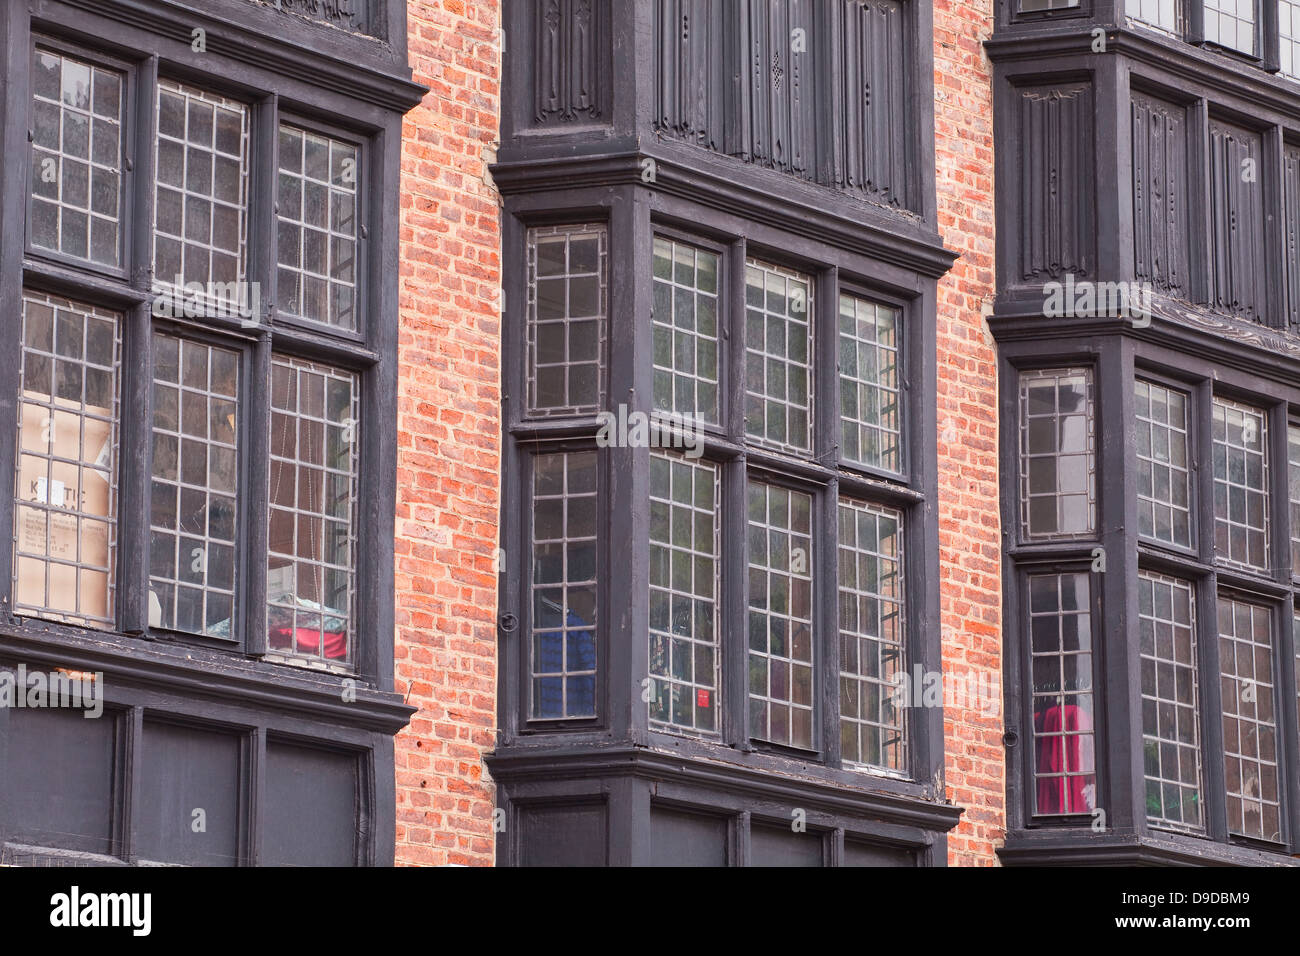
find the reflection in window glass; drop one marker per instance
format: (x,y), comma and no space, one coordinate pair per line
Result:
(311,576)
(869,390)
(563,651)
(1249,723)
(1169,15)
(201,202)
(1288,22)
(76,158)
(778,346)
(1060,623)
(686,330)
(65,521)
(1293,496)
(1033,6)
(872,729)
(194,488)
(780,616)
(1231,23)
(317,230)
(1295,635)
(1163,478)
(1170,729)
(1240,484)
(684,658)
(1057,456)
(566,319)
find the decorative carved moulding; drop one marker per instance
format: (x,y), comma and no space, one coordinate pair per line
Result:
(351,15)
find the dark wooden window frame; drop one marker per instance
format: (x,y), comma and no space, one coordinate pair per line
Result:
(635,217)
(1119,360)
(318,74)
(359,352)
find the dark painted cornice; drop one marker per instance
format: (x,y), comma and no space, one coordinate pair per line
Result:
(1236,343)
(362,67)
(518,764)
(176,669)
(1185,66)
(765,196)
(1085,848)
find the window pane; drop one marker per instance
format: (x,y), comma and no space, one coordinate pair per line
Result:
(684,649)
(1060,624)
(564,588)
(201,198)
(1057,453)
(1288,21)
(872,662)
(194,492)
(1249,724)
(780,616)
(1293,483)
(1240,484)
(567,304)
(1032,6)
(1169,15)
(778,350)
(869,392)
(65,522)
(1295,636)
(317,229)
(1171,737)
(1163,476)
(1231,23)
(686,330)
(311,576)
(76,158)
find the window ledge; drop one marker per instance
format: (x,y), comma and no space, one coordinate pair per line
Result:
(1085,848)
(753,775)
(227,678)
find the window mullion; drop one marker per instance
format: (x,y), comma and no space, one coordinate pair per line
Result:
(1269,41)
(134,471)
(735,524)
(826,449)
(735,603)
(254,470)
(1195,21)
(262,203)
(254,474)
(137,358)
(826,624)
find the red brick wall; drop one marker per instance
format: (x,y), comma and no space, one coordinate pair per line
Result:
(448,440)
(970,550)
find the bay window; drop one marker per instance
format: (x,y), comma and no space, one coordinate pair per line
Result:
(251,427)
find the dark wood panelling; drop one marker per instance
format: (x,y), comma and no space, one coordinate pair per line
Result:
(1057,195)
(778,99)
(858,853)
(782,846)
(1160,181)
(748,79)
(678,838)
(184,770)
(1291,233)
(313,811)
(873,77)
(571,60)
(1237,263)
(353,15)
(691,37)
(564,835)
(63,779)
